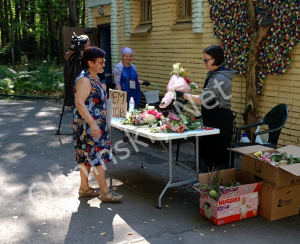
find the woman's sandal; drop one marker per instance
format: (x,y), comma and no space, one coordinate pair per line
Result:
(88,193)
(115,197)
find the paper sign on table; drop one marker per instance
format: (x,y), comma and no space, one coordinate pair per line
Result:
(119,100)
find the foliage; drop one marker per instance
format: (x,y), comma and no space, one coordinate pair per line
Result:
(46,80)
(215,189)
(180,123)
(277,158)
(5,54)
(37,28)
(4,86)
(7,72)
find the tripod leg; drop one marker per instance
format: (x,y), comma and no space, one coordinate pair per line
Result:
(61,115)
(75,70)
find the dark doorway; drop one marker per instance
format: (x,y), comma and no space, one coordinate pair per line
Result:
(104,43)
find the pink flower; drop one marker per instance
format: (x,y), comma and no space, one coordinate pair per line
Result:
(181,128)
(157,114)
(165,127)
(151,111)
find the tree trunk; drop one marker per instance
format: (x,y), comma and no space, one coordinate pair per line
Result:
(72,13)
(2,25)
(12,36)
(32,44)
(256,41)
(5,27)
(24,10)
(83,15)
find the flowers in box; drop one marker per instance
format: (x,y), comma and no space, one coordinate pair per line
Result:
(277,158)
(179,82)
(180,123)
(215,189)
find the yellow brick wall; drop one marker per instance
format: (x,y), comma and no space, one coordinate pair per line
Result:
(156,51)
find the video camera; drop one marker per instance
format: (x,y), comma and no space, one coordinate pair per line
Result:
(78,42)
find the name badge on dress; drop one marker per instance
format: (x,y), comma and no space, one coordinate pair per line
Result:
(132,84)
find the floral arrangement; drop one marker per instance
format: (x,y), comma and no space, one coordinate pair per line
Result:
(179,82)
(277,158)
(181,72)
(215,189)
(180,123)
(178,70)
(148,116)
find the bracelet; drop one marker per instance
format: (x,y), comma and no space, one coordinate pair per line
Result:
(71,49)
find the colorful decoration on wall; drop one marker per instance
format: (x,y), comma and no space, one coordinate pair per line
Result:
(231,26)
(276,52)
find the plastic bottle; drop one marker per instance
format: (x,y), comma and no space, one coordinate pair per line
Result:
(131,105)
(244,139)
(258,138)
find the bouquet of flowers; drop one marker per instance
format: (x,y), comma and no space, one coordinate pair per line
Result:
(179,123)
(179,82)
(277,158)
(148,116)
(215,189)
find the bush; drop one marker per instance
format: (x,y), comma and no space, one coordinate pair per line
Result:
(3,86)
(5,54)
(46,80)
(7,72)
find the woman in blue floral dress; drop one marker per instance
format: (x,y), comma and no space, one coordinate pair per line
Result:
(91,135)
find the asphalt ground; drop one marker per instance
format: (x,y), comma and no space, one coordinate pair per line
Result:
(39,193)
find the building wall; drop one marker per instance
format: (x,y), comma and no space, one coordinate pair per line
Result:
(156,51)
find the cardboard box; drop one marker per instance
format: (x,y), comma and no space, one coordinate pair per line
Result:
(236,203)
(272,176)
(275,203)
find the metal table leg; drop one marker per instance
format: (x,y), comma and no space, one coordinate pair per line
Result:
(169,184)
(170,175)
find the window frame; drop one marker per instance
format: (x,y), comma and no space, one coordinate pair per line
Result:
(146,6)
(182,11)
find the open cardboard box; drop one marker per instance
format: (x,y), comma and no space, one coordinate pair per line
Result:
(236,203)
(272,176)
(275,203)
(280,194)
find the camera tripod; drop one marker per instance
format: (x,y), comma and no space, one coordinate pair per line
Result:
(73,71)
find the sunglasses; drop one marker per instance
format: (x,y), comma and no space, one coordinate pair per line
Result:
(101,62)
(206,60)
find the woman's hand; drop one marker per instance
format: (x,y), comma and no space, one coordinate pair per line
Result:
(146,83)
(95,131)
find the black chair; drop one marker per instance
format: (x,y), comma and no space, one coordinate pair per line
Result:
(275,119)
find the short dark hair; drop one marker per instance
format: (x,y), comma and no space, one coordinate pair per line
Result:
(91,54)
(216,52)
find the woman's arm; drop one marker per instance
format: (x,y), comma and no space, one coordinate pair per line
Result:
(117,76)
(69,53)
(83,90)
(192,98)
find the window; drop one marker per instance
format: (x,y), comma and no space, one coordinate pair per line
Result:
(184,10)
(145,21)
(146,11)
